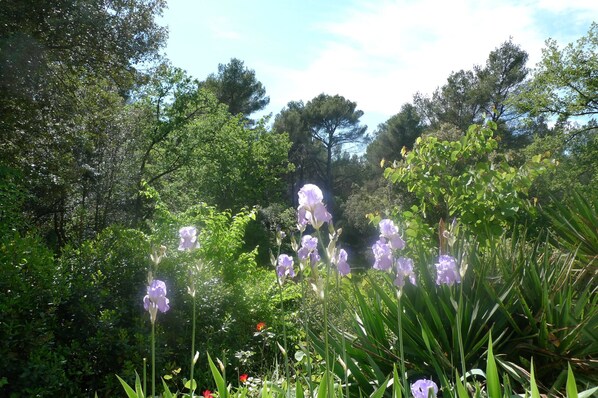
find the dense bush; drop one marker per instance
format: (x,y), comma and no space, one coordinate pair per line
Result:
(31,293)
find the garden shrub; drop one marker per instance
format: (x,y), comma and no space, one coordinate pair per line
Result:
(31,292)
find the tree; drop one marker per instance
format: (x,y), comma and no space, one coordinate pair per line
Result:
(304,154)
(333,121)
(565,86)
(502,76)
(456,102)
(192,150)
(65,69)
(465,179)
(565,83)
(401,130)
(470,96)
(237,87)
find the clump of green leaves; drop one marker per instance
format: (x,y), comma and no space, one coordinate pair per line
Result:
(466,179)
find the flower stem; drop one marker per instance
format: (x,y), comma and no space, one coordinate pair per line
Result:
(153,359)
(459,335)
(307,339)
(346,371)
(284,334)
(325,299)
(191,382)
(145,375)
(401,353)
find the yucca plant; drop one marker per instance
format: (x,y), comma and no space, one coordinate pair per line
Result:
(574,227)
(527,292)
(552,310)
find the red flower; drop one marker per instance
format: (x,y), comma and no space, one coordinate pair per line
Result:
(243,378)
(260,326)
(207,394)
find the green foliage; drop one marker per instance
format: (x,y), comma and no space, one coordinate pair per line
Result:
(471,96)
(32,291)
(467,180)
(401,130)
(574,227)
(536,303)
(11,200)
(565,81)
(66,68)
(551,308)
(103,327)
(333,121)
(237,87)
(563,86)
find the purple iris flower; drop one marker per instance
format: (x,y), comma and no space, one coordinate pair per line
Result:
(285,267)
(341,263)
(404,268)
(446,271)
(422,387)
(188,238)
(156,299)
(311,210)
(309,249)
(390,232)
(382,256)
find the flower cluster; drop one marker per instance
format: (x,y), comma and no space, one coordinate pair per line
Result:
(156,299)
(311,211)
(207,394)
(384,254)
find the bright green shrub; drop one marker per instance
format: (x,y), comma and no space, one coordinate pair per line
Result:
(464,179)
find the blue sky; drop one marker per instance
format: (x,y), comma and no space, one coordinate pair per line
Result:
(377,53)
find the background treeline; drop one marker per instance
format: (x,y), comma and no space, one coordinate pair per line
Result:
(106,149)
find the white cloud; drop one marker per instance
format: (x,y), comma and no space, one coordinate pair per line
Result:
(222,28)
(380,55)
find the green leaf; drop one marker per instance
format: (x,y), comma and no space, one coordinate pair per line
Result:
(220,383)
(492,378)
(397,390)
(461,391)
(130,392)
(588,393)
(533,386)
(167,393)
(138,388)
(189,386)
(379,393)
(299,390)
(323,388)
(571,386)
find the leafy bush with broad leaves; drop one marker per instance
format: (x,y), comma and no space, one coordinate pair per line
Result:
(464,179)
(31,292)
(70,324)
(233,294)
(102,325)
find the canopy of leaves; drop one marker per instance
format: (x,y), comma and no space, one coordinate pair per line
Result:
(236,86)
(467,180)
(566,80)
(401,130)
